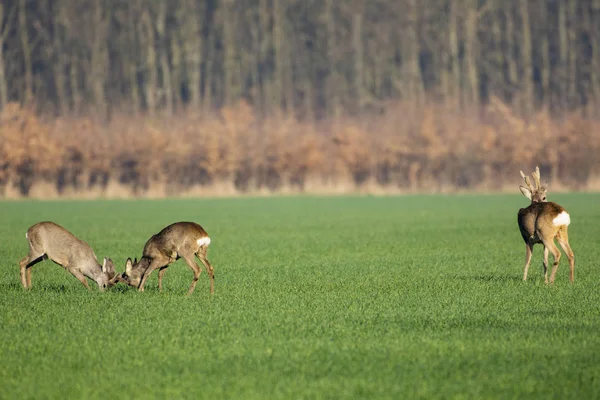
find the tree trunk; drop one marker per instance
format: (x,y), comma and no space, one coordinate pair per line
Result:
(130,63)
(563,54)
(412,69)
(333,97)
(26,48)
(454,59)
(572,67)
(357,44)
(471,54)
(526,55)
(148,43)
(595,44)
(192,43)
(98,60)
(545,67)
(231,72)
(207,88)
(280,57)
(265,90)
(3,82)
(76,99)
(165,68)
(509,51)
(255,67)
(176,71)
(58,68)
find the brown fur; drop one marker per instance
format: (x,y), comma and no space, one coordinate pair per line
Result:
(178,240)
(49,240)
(537,226)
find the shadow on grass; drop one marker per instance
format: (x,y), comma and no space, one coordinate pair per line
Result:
(489,278)
(59,288)
(62,288)
(46,287)
(11,286)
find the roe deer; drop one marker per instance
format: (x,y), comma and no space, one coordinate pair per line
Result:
(542,222)
(49,240)
(178,240)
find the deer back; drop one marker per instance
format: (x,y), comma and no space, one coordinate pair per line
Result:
(60,245)
(177,238)
(180,238)
(64,248)
(539,217)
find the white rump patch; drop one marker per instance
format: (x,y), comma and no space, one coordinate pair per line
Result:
(205,241)
(562,219)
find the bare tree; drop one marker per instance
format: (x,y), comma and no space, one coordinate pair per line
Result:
(471,53)
(98,65)
(165,67)
(528,102)
(147,41)
(544,49)
(26,50)
(5,26)
(357,45)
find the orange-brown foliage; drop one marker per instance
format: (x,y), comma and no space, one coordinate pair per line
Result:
(433,148)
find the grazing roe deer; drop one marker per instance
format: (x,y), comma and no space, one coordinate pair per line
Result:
(542,222)
(178,240)
(49,240)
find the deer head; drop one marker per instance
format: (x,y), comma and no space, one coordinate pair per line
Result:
(109,277)
(536,194)
(134,271)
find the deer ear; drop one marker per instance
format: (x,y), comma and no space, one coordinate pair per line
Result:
(110,266)
(104,265)
(526,192)
(128,267)
(135,261)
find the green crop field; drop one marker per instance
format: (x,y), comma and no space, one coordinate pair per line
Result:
(347,297)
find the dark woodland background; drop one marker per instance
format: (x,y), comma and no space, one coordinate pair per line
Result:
(189,97)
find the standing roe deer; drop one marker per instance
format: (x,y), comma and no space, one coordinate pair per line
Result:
(542,222)
(49,240)
(178,240)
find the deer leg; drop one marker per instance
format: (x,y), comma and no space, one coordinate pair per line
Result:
(197,271)
(161,273)
(77,274)
(546,264)
(25,264)
(209,268)
(528,252)
(556,254)
(156,263)
(563,240)
(28,273)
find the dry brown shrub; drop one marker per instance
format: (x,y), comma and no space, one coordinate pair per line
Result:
(28,151)
(434,147)
(354,150)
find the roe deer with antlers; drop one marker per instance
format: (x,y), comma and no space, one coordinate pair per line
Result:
(179,240)
(542,222)
(49,240)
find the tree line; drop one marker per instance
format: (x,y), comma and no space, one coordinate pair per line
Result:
(312,58)
(275,94)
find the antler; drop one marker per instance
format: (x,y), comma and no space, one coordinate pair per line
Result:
(536,178)
(527,182)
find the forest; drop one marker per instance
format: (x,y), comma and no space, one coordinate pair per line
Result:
(177,97)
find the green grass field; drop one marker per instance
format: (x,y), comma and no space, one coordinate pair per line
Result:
(350,297)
